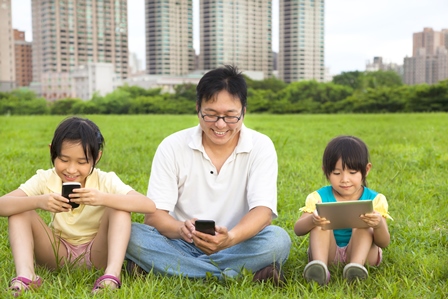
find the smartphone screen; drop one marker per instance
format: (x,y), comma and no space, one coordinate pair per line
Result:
(67,188)
(205,226)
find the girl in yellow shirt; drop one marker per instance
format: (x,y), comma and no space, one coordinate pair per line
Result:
(96,233)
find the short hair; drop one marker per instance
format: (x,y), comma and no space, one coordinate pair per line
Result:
(82,130)
(351,150)
(223,78)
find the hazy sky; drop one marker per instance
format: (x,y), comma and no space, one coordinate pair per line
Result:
(355,30)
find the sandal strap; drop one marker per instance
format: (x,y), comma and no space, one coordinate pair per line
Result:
(27,283)
(106,277)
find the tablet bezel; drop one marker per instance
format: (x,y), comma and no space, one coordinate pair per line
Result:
(344,214)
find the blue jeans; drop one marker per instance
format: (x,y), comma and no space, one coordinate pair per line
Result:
(153,251)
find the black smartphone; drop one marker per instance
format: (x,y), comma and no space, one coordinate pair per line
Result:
(205,226)
(67,188)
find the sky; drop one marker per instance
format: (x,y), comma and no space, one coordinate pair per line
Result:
(355,30)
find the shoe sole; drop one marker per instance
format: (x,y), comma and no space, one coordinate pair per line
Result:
(270,273)
(353,272)
(134,269)
(316,272)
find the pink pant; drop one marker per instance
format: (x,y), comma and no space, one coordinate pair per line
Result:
(78,254)
(341,255)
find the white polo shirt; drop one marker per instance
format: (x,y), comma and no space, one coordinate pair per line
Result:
(184,181)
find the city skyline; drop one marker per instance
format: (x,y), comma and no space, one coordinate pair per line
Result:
(355,31)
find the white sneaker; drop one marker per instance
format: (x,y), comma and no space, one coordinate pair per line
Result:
(317,271)
(354,271)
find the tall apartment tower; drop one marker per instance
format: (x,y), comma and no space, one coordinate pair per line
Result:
(429,61)
(67,34)
(169,37)
(428,39)
(7,67)
(23,59)
(301,40)
(236,32)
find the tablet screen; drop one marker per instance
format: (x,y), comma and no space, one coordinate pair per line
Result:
(344,214)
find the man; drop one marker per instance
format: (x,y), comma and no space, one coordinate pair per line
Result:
(219,170)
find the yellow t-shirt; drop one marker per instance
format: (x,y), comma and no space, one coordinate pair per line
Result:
(80,225)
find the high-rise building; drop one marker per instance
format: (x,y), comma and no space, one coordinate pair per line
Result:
(23,59)
(7,67)
(301,40)
(428,39)
(429,61)
(67,34)
(379,65)
(135,65)
(92,78)
(236,32)
(169,37)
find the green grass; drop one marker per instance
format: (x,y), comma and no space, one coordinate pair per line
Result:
(409,153)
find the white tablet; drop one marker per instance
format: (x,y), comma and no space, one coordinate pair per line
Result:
(344,214)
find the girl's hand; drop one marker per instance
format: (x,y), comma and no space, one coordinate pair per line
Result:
(55,203)
(88,196)
(372,219)
(319,221)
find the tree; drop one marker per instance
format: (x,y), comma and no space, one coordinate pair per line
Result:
(363,80)
(186,91)
(116,102)
(259,100)
(381,78)
(64,106)
(351,79)
(312,96)
(271,83)
(376,100)
(429,98)
(22,102)
(136,91)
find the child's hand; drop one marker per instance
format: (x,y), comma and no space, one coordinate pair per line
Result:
(55,203)
(372,219)
(87,196)
(319,221)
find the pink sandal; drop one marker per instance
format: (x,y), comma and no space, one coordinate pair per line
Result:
(98,286)
(27,284)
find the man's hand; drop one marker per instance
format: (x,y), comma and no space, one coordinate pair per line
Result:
(210,244)
(186,230)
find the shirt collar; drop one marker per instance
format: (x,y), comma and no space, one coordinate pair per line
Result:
(54,182)
(244,142)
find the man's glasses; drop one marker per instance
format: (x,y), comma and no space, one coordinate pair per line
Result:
(226,119)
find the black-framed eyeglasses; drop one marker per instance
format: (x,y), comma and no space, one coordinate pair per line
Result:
(226,119)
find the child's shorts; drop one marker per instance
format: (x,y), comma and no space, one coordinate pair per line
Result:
(341,255)
(78,254)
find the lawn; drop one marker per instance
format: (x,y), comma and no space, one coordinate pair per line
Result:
(409,153)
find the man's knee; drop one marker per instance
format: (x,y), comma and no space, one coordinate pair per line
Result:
(278,241)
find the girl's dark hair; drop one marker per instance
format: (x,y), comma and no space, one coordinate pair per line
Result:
(351,150)
(223,78)
(82,130)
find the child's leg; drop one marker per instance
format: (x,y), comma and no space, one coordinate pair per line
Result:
(29,236)
(322,245)
(361,249)
(109,247)
(322,250)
